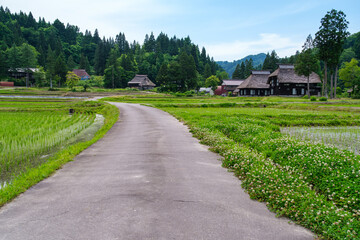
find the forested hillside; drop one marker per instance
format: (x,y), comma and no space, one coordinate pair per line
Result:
(58,48)
(229,67)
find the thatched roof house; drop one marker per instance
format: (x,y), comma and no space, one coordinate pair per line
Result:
(141,82)
(285,81)
(82,74)
(255,85)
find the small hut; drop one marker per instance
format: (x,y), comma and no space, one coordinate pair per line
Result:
(82,74)
(284,81)
(141,82)
(255,84)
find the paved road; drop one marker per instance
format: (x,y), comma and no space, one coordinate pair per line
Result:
(146,179)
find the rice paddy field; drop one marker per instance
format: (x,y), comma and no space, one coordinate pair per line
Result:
(347,138)
(299,158)
(34,129)
(27,137)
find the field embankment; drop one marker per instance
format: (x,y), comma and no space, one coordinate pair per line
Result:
(39,136)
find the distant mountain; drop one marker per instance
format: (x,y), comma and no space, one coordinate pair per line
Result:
(229,67)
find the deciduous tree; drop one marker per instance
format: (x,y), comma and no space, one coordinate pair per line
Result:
(212,82)
(350,74)
(71,79)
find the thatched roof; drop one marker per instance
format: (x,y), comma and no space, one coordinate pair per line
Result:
(141,80)
(81,73)
(286,74)
(23,70)
(232,82)
(257,79)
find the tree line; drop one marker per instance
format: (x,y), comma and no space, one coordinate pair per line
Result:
(271,61)
(332,54)
(174,64)
(331,49)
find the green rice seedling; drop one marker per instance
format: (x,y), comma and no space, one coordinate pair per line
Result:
(25,137)
(347,137)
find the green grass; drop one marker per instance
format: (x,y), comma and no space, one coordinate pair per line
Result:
(32,175)
(315,185)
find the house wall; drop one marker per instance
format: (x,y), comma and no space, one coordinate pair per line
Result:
(294,89)
(253,92)
(19,75)
(136,85)
(6,84)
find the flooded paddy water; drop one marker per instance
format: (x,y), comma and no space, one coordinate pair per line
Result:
(347,137)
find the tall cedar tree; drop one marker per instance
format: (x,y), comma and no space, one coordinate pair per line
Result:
(60,68)
(329,40)
(70,63)
(28,59)
(207,71)
(242,70)
(162,77)
(248,67)
(188,70)
(174,76)
(237,73)
(307,62)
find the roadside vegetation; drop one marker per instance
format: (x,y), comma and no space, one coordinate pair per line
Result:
(38,136)
(312,183)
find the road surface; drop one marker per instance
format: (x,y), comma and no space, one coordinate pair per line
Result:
(148,178)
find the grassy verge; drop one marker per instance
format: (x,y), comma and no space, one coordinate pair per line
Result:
(314,185)
(27,179)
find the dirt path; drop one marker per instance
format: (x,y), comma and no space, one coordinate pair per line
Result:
(148,178)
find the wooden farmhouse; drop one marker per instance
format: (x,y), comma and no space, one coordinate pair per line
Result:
(19,73)
(82,74)
(284,81)
(141,82)
(230,85)
(255,85)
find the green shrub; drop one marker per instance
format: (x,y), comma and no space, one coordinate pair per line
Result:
(313,99)
(179,94)
(189,93)
(305,97)
(323,99)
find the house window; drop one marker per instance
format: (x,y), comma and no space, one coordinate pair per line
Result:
(252,92)
(294,91)
(302,91)
(272,91)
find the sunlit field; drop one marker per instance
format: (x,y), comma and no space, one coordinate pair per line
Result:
(314,183)
(33,129)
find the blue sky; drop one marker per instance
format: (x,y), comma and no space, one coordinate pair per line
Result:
(228,29)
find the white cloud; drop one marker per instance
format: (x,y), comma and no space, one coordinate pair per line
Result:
(109,16)
(266,43)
